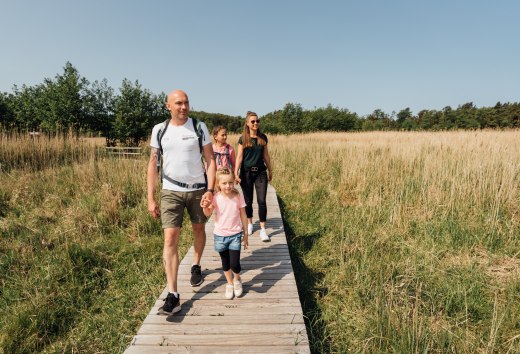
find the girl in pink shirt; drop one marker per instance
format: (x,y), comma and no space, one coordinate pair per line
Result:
(224,153)
(228,207)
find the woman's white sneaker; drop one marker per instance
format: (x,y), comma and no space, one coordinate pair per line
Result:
(249,229)
(263,235)
(229,291)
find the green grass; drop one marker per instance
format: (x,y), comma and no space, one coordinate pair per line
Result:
(401,243)
(80,258)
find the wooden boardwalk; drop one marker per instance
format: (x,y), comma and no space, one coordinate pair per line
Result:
(267,318)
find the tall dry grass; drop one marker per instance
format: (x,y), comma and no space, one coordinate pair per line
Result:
(405,242)
(402,242)
(35,152)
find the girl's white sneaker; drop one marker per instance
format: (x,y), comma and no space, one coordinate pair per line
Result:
(237,285)
(229,291)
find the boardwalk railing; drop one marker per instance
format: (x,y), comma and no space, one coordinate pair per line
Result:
(267,318)
(123,151)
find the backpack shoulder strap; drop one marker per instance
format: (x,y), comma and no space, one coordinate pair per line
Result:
(161,133)
(198,131)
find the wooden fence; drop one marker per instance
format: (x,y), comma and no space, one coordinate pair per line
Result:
(123,151)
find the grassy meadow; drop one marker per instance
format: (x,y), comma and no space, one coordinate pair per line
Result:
(401,242)
(405,242)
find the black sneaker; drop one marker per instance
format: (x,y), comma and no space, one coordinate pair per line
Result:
(171,305)
(196,275)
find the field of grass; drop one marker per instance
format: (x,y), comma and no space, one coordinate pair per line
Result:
(405,242)
(80,259)
(402,242)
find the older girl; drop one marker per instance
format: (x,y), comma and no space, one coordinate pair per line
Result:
(224,153)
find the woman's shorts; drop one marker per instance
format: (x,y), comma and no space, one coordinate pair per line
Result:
(223,243)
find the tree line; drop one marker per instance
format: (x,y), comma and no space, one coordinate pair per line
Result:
(294,119)
(70,101)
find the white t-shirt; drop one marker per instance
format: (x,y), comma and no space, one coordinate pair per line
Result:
(181,154)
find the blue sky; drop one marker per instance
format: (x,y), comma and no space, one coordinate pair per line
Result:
(238,55)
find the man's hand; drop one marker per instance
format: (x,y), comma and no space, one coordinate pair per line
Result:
(153,209)
(207,196)
(204,203)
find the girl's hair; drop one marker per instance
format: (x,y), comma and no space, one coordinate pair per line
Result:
(246,135)
(224,171)
(216,129)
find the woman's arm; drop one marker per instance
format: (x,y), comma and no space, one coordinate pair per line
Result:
(240,153)
(267,160)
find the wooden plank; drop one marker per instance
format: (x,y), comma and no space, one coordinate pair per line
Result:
(222,328)
(192,349)
(267,318)
(251,339)
(237,319)
(222,310)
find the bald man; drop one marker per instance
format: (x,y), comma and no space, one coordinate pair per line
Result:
(184,185)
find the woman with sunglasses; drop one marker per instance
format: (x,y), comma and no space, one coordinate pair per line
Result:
(251,171)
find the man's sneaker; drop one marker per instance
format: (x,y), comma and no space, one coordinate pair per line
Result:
(237,286)
(263,235)
(229,291)
(249,229)
(196,275)
(171,305)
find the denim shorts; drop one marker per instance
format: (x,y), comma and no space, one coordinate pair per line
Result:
(223,243)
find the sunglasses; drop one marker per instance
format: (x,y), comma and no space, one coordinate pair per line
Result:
(252,121)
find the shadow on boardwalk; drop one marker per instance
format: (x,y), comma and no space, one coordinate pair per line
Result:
(272,270)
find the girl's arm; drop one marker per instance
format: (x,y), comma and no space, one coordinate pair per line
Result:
(243,218)
(207,207)
(240,153)
(267,160)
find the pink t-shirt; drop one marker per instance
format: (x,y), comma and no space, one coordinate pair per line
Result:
(227,214)
(223,160)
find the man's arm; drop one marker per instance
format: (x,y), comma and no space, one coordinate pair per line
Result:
(207,150)
(151,182)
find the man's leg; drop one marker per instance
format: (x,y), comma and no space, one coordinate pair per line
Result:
(199,241)
(198,223)
(172,207)
(171,257)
